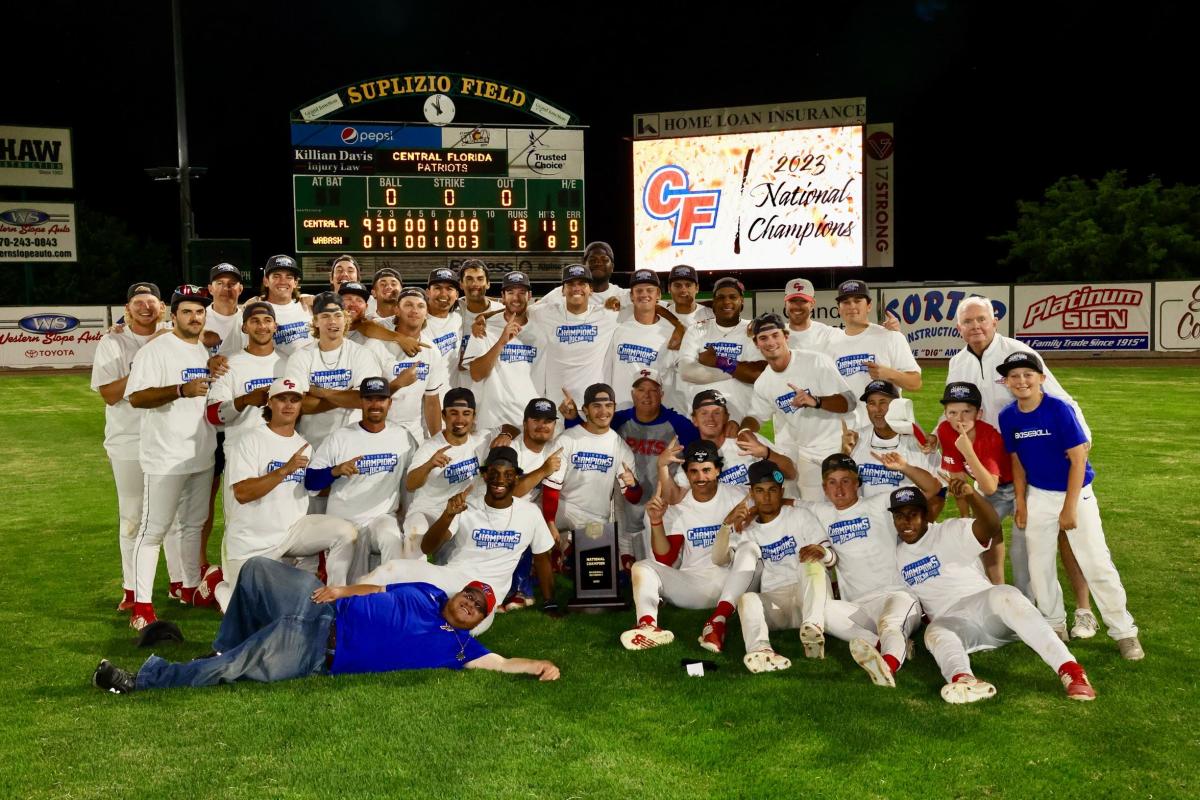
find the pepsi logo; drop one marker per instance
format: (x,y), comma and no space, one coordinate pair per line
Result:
(349,135)
(48,323)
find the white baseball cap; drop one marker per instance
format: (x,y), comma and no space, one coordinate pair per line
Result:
(647,372)
(800,287)
(283,386)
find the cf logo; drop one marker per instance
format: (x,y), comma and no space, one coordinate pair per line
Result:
(668,196)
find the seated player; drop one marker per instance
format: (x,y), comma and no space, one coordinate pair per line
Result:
(940,564)
(682,571)
(791,545)
(282,623)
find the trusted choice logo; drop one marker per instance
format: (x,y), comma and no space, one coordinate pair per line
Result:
(668,195)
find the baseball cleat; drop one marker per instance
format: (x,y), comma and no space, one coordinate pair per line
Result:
(765,661)
(870,659)
(126,603)
(967,689)
(813,639)
(645,636)
(1085,626)
(206,593)
(712,638)
(1076,682)
(1131,649)
(516,601)
(175,590)
(112,678)
(141,619)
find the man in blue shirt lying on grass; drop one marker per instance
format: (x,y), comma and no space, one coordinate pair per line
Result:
(283,623)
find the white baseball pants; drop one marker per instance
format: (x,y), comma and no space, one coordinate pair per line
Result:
(1003,501)
(884,618)
(380,536)
(987,620)
(784,609)
(654,582)
(449,579)
(129,480)
(1091,551)
(163,498)
(742,577)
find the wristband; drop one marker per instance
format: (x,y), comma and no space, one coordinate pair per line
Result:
(656,523)
(818,399)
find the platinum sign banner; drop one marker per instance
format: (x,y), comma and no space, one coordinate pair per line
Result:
(928,315)
(1074,317)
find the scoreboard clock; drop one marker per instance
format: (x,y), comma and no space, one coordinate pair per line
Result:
(438,190)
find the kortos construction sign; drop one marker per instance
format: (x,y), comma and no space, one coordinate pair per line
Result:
(1066,317)
(35,157)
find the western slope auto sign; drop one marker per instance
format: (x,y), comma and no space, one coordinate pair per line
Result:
(1066,317)
(36,231)
(59,336)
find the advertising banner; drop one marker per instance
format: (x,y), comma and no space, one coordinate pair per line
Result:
(928,315)
(1074,317)
(881,196)
(825,309)
(50,336)
(1177,315)
(34,231)
(35,157)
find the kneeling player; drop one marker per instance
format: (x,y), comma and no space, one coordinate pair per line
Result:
(940,563)
(794,552)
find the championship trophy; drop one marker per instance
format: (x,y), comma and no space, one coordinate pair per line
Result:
(596,564)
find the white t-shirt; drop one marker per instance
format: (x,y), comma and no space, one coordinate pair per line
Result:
(443,483)
(818,337)
(575,348)
(408,403)
(698,522)
(588,476)
(529,460)
(342,368)
(501,397)
(292,331)
(816,431)
(468,321)
(383,461)
(877,344)
(864,538)
(732,342)
(873,477)
(257,527)
(735,466)
(375,347)
(175,438)
(699,314)
(445,334)
(122,422)
(943,567)
(221,325)
(246,373)
(778,544)
(555,295)
(635,347)
(486,543)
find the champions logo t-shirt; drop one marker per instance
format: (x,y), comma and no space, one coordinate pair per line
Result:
(864,539)
(382,457)
(291,477)
(488,539)
(854,363)
(591,462)
(943,566)
(778,544)
(571,334)
(697,524)
(486,543)
(291,332)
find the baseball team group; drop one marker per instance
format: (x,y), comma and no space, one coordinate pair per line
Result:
(398,465)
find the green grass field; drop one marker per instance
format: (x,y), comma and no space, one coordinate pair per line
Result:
(618,724)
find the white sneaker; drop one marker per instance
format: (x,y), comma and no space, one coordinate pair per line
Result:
(1131,649)
(765,661)
(967,689)
(645,636)
(1085,626)
(870,659)
(813,639)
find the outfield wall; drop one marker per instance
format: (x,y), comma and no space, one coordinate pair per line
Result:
(1094,318)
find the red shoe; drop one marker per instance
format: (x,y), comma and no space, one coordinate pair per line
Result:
(1076,682)
(187,594)
(517,601)
(175,590)
(206,592)
(126,603)
(713,636)
(143,615)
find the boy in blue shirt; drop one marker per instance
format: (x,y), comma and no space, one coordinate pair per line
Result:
(1053,483)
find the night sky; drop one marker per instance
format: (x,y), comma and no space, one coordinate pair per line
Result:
(990,105)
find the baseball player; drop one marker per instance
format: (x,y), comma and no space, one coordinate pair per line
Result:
(281,288)
(650,338)
(682,571)
(473,279)
(803,391)
(891,428)
(501,354)
(444,324)
(804,332)
(940,564)
(354,303)
(122,422)
(683,283)
(343,269)
(236,398)
(417,407)
(169,382)
(482,535)
(711,356)
(225,289)
(269,513)
(361,465)
(876,613)
(598,258)
(866,351)
(385,292)
(1053,481)
(284,624)
(576,336)
(794,552)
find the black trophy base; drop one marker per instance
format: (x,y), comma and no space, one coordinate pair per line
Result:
(596,605)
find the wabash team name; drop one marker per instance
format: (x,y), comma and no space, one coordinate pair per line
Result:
(488,539)
(921,570)
(850,529)
(778,551)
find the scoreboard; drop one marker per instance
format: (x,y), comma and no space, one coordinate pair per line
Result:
(423,190)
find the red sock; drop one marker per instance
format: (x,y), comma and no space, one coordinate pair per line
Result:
(724,611)
(175,586)
(961,675)
(128,596)
(648,620)
(892,662)
(143,609)
(187,594)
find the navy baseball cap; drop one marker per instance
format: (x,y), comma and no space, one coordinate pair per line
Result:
(324,300)
(224,269)
(767,322)
(284,262)
(374,387)
(257,307)
(142,287)
(852,289)
(838,461)
(354,287)
(413,291)
(702,451)
(515,279)
(879,387)
(731,282)
(459,398)
(593,392)
(541,408)
(682,272)
(473,263)
(502,454)
(1020,359)
(388,272)
(605,247)
(764,470)
(576,272)
(646,276)
(962,392)
(709,397)
(443,275)
(190,293)
(340,259)
(907,496)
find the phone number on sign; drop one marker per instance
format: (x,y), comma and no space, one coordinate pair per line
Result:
(28,241)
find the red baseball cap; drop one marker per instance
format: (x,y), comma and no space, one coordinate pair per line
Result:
(489,596)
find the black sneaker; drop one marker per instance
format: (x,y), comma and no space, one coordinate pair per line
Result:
(113,679)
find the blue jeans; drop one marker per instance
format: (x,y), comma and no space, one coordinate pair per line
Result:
(272,631)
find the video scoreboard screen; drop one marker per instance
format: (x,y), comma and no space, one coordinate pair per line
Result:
(427,190)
